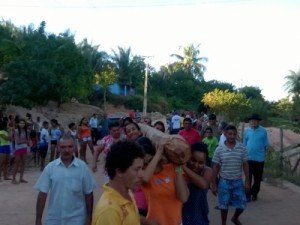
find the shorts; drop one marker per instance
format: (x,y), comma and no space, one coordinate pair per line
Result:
(231,191)
(43,151)
(5,149)
(21,151)
(53,142)
(86,139)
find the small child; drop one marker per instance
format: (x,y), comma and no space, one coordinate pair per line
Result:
(73,132)
(211,142)
(4,149)
(229,161)
(44,143)
(198,176)
(34,146)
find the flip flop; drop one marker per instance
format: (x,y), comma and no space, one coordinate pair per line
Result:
(14,182)
(23,181)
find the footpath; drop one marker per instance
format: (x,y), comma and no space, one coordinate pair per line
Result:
(277,205)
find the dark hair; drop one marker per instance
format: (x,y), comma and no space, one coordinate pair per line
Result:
(127,119)
(208,128)
(71,125)
(121,156)
(223,125)
(212,116)
(200,147)
(135,124)
(146,144)
(230,127)
(45,123)
(112,125)
(3,125)
(25,128)
(160,123)
(187,120)
(80,123)
(54,121)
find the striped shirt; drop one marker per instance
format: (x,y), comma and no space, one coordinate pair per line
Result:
(231,160)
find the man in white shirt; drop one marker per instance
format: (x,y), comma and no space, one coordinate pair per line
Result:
(175,124)
(94,127)
(70,185)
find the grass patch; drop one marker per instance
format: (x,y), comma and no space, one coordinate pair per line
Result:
(275,172)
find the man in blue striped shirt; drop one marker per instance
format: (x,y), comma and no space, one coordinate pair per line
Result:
(229,161)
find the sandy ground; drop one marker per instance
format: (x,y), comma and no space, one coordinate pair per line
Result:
(276,205)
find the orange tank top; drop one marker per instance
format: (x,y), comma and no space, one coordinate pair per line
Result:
(85,131)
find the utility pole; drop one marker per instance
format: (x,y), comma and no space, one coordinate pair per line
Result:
(145,90)
(146,85)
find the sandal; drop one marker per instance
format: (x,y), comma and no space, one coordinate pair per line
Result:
(14,182)
(23,181)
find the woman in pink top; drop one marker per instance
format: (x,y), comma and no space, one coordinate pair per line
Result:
(22,142)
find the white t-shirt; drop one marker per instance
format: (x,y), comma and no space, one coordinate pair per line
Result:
(176,122)
(94,122)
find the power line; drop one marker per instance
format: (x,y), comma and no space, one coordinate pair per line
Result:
(92,4)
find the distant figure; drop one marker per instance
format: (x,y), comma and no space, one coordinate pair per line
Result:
(160,126)
(22,141)
(211,142)
(148,121)
(94,128)
(70,185)
(256,141)
(104,126)
(212,122)
(190,134)
(55,134)
(43,144)
(175,123)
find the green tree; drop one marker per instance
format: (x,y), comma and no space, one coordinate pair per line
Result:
(106,78)
(43,67)
(191,62)
(231,105)
(122,60)
(292,85)
(252,92)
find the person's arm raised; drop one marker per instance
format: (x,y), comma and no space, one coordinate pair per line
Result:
(150,169)
(199,181)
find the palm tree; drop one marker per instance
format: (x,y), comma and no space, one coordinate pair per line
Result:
(191,62)
(122,60)
(292,85)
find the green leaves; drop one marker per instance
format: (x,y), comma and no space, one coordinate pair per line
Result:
(42,67)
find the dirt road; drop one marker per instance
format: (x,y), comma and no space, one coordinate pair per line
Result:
(276,205)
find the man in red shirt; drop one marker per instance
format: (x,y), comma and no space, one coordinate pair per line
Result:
(190,134)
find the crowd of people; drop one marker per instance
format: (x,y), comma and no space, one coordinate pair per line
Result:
(142,185)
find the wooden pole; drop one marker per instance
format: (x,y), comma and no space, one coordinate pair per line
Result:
(281,149)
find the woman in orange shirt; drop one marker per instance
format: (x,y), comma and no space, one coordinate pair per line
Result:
(85,138)
(165,189)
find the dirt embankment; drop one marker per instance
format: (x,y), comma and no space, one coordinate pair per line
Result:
(72,112)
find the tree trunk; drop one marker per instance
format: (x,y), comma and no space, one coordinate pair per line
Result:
(104,99)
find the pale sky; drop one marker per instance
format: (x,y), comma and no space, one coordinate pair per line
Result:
(247,42)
